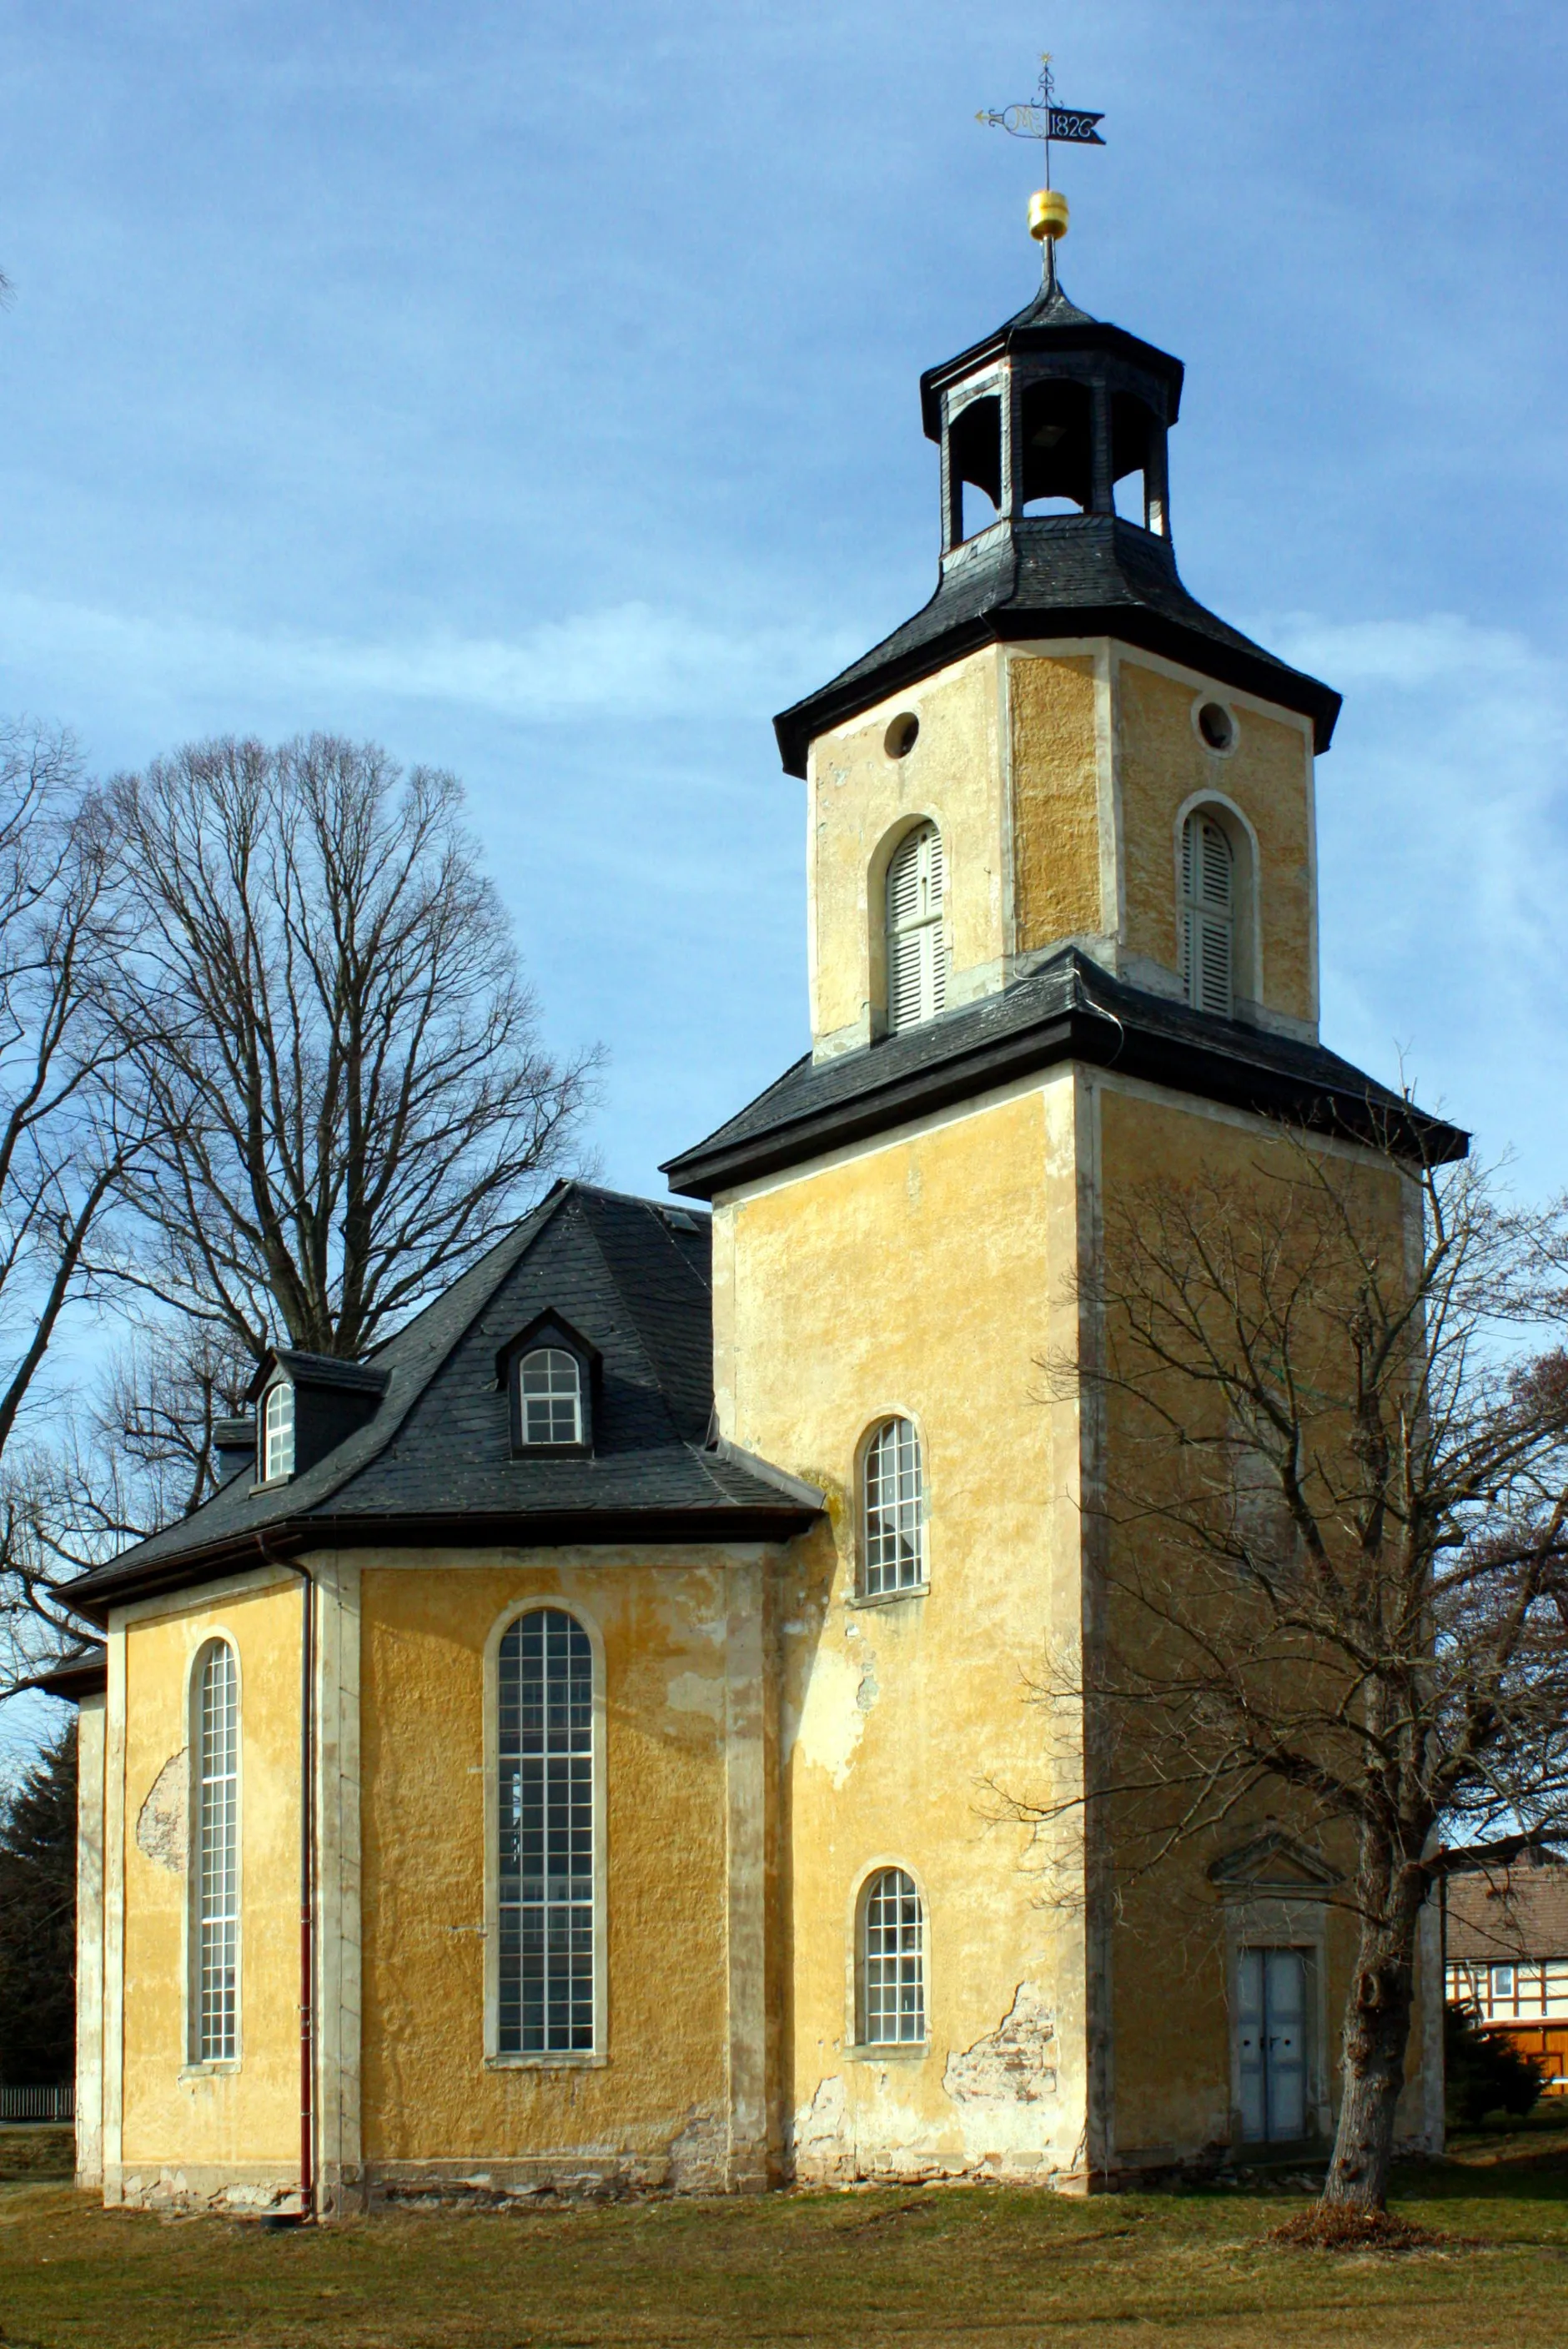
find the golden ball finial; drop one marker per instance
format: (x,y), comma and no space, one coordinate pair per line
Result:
(1048,215)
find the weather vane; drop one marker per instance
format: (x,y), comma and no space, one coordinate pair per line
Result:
(1044,119)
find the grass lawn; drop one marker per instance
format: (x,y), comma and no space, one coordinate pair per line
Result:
(919,2268)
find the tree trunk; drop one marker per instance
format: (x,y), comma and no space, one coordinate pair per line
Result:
(1377,2033)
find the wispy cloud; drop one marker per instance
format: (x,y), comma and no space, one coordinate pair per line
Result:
(1443,817)
(632,660)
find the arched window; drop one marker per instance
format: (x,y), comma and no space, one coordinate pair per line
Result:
(893,1511)
(215,2005)
(545,1868)
(551,1397)
(278,1432)
(891,1961)
(1208,915)
(916,932)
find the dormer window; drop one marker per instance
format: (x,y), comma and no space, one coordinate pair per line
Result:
(551,1383)
(307,1405)
(550,1372)
(278,1433)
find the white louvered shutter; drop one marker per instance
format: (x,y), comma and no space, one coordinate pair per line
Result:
(936,931)
(1208,917)
(916,934)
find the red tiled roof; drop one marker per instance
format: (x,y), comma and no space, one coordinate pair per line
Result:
(1518,1911)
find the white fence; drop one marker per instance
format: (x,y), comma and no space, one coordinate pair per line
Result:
(38,2103)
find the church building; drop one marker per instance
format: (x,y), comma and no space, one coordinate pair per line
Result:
(566,1753)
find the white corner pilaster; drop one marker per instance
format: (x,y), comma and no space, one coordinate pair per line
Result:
(337,1987)
(113,2066)
(746,1788)
(89,1939)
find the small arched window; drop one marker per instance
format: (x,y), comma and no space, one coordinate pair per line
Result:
(893,1510)
(1208,915)
(545,1862)
(278,1432)
(215,1886)
(916,932)
(891,1961)
(551,1396)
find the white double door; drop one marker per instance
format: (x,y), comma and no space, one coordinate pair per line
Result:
(1270,2030)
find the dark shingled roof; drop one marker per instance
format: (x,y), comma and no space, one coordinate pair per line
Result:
(1514,1913)
(1070,1009)
(1042,576)
(1050,323)
(314,1370)
(435,1464)
(74,1677)
(1046,575)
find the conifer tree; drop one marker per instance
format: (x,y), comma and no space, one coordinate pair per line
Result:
(39,1919)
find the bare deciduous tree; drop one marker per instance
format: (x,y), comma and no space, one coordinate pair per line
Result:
(156,1417)
(1335,1549)
(65,1139)
(327,1011)
(144,1453)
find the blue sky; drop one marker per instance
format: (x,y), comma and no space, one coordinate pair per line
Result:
(535,390)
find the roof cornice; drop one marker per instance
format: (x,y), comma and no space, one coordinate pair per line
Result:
(1029,332)
(1036,578)
(1226,1063)
(291,1540)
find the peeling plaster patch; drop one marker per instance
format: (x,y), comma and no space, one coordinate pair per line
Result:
(1007,2066)
(692,1693)
(820,2125)
(831,1719)
(160,1823)
(868,1692)
(698,2155)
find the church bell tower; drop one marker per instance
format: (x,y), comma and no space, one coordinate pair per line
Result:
(1062,916)
(1059,710)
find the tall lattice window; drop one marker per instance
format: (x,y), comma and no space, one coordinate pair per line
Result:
(215,2019)
(551,1397)
(546,1818)
(916,932)
(892,1961)
(893,1539)
(1208,915)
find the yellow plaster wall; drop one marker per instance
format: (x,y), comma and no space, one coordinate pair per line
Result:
(427,2091)
(1170,1994)
(1009,763)
(174,2114)
(1162,761)
(861,800)
(923,1278)
(1055,800)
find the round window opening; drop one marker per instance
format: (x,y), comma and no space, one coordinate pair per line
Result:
(900,738)
(1216,725)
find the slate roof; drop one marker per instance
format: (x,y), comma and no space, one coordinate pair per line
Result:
(435,1464)
(1049,322)
(1069,1009)
(74,1677)
(1509,1913)
(1046,575)
(1049,306)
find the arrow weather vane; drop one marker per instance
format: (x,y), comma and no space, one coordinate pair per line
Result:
(1045,120)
